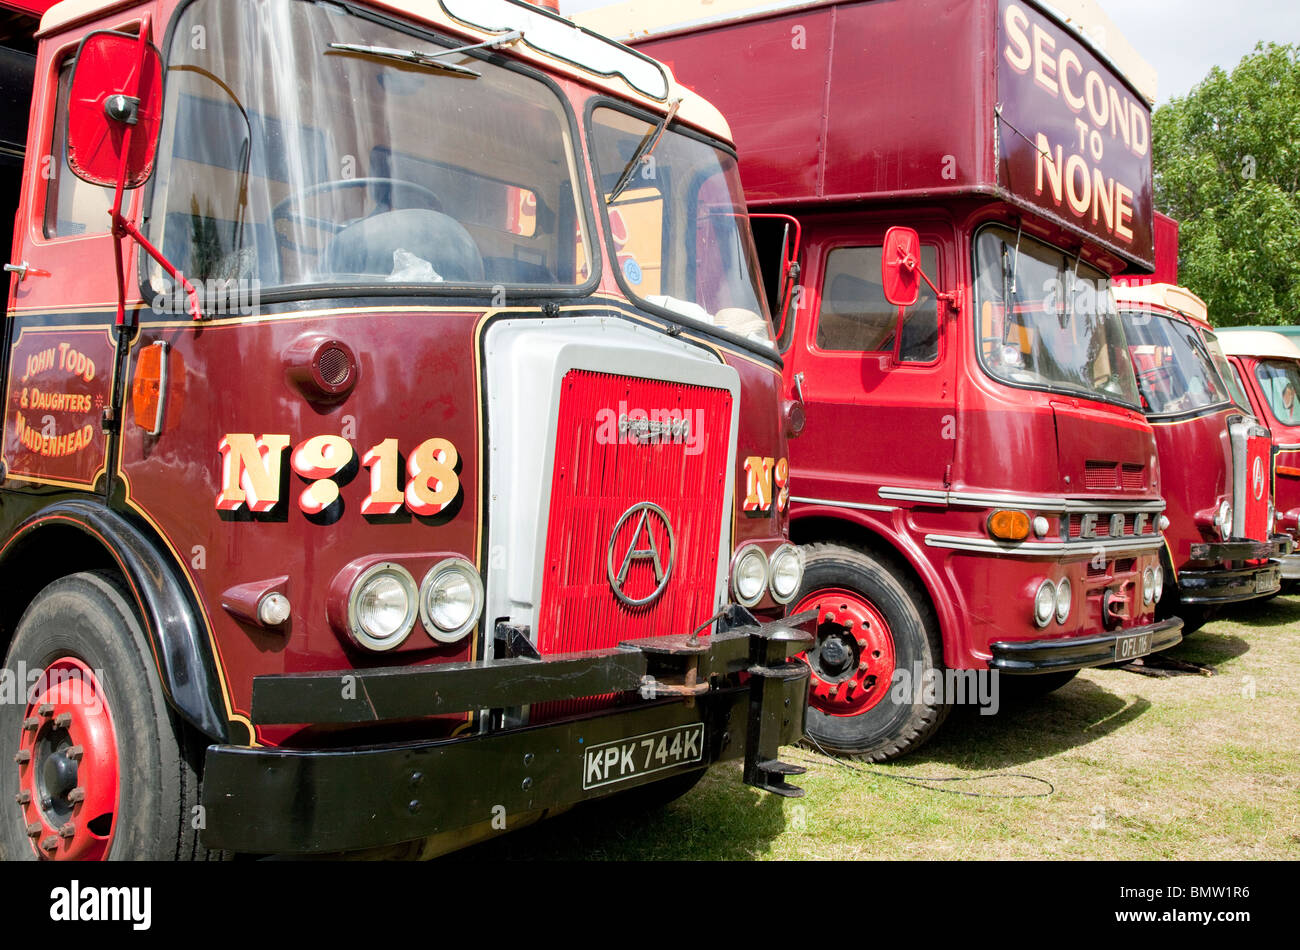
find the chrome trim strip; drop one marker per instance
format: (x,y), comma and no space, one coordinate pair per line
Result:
(844,504)
(1038,502)
(1043,549)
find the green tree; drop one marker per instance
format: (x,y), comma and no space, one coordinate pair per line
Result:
(1227,166)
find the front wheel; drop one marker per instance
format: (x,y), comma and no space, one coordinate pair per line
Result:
(94,763)
(876,691)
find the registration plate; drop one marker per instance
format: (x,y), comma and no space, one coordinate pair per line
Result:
(1129,648)
(1265,581)
(612,762)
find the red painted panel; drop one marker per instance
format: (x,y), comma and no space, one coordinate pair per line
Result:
(32,7)
(597,479)
(1259,451)
(875,101)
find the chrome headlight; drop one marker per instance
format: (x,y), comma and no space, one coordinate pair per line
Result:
(382,607)
(1148,586)
(750,576)
(787,573)
(451,600)
(1064,600)
(1045,603)
(1223,520)
(1158,573)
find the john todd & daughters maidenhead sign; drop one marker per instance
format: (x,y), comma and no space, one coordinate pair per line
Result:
(1074,140)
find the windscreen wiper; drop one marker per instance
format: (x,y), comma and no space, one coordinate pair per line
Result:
(430,59)
(647,146)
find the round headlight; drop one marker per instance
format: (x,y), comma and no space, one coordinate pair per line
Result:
(787,573)
(1224,520)
(749,579)
(382,607)
(1158,575)
(1148,586)
(451,600)
(1064,599)
(1045,603)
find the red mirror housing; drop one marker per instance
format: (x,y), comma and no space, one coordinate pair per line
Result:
(900,265)
(116,88)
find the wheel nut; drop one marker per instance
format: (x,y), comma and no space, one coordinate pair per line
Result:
(50,843)
(834,691)
(63,720)
(34,830)
(23,756)
(45,709)
(68,830)
(77,795)
(32,722)
(75,752)
(862,667)
(23,797)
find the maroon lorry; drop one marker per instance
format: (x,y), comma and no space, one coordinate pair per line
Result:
(976,487)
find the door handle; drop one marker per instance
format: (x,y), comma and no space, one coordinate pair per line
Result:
(23,269)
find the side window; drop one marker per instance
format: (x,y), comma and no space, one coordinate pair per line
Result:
(72,206)
(1280,383)
(856,317)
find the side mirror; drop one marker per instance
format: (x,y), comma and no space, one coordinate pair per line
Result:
(900,265)
(114,106)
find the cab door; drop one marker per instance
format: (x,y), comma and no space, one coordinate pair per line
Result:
(61,349)
(881,410)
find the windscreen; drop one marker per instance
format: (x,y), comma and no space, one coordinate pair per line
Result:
(1174,370)
(680,225)
(304,150)
(1045,320)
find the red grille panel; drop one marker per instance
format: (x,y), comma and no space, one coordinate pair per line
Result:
(1133,477)
(1101,474)
(1259,462)
(598,476)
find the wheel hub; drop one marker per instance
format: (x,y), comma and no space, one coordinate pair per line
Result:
(67,765)
(853,661)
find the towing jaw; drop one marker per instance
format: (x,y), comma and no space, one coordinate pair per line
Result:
(738,692)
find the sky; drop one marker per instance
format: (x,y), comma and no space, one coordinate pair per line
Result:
(1182,39)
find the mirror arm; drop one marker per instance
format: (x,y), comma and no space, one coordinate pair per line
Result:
(123,228)
(949,298)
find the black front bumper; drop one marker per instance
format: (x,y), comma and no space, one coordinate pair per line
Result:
(1229,586)
(285,801)
(1226,552)
(1077,653)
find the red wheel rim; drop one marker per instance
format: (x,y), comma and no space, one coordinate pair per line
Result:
(857,674)
(67,765)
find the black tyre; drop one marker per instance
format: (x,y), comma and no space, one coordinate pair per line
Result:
(92,753)
(1024,688)
(868,695)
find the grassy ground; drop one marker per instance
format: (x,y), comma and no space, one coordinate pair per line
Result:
(1188,767)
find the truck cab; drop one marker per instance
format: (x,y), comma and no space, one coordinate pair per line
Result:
(357,491)
(1266,364)
(1216,457)
(976,489)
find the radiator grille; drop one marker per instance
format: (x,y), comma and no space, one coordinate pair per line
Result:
(599,474)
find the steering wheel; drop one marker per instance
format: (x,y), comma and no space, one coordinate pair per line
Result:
(282,211)
(1155,378)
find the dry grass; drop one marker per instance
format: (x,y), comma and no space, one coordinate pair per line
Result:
(1142,768)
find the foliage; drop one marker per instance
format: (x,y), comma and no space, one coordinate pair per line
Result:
(1227,166)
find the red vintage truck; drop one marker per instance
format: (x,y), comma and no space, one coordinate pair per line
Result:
(349,497)
(1266,364)
(1216,457)
(977,488)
